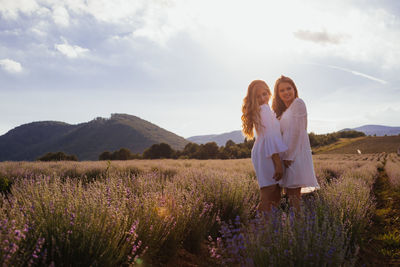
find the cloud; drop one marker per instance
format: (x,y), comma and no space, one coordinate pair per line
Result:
(10,65)
(321,37)
(61,16)
(11,8)
(71,51)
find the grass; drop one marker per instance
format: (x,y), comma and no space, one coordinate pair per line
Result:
(367,145)
(337,145)
(157,212)
(382,240)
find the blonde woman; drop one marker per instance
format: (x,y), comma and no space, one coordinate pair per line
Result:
(299,176)
(258,116)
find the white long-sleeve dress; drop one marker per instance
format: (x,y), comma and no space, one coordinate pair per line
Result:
(268,142)
(293,124)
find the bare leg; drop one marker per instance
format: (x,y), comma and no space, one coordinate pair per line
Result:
(294,195)
(270,196)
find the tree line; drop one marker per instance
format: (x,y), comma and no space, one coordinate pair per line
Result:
(209,150)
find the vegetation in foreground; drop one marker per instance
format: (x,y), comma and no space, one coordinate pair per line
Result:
(145,212)
(382,241)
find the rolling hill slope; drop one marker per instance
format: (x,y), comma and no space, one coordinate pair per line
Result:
(86,140)
(368,144)
(220,139)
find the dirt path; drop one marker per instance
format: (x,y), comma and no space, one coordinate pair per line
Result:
(381,245)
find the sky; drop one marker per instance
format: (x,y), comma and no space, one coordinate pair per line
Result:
(185,65)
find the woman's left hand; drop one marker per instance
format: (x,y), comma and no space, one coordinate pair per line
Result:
(278,172)
(287,163)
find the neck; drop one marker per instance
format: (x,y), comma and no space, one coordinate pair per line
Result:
(288,103)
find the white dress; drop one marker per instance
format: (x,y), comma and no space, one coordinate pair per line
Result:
(268,142)
(300,173)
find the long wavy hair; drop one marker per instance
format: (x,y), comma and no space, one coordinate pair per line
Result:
(277,104)
(251,108)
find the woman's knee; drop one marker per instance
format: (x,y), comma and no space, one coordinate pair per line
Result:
(295,192)
(270,193)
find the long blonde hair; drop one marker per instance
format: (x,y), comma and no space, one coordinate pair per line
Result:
(251,108)
(277,103)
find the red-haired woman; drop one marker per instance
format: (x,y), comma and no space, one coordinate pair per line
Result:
(299,175)
(265,153)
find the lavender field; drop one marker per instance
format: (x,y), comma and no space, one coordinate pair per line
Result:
(146,212)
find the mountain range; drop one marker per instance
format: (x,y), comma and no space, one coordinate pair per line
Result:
(85,140)
(378,130)
(220,139)
(237,136)
(89,139)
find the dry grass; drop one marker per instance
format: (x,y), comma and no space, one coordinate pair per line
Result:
(366,145)
(392,169)
(173,205)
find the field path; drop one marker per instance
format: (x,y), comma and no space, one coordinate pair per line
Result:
(381,245)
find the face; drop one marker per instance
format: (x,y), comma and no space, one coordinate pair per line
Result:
(262,96)
(286,93)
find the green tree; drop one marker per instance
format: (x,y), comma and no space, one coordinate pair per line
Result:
(209,150)
(122,154)
(191,150)
(229,143)
(106,155)
(158,151)
(57,156)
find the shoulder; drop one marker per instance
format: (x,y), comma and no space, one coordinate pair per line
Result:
(299,107)
(265,108)
(298,102)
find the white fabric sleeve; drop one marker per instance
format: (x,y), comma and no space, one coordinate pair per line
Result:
(272,138)
(297,129)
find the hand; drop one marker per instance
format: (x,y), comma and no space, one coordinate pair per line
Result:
(287,163)
(278,172)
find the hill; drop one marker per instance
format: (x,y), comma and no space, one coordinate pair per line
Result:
(237,136)
(378,130)
(368,144)
(220,139)
(85,140)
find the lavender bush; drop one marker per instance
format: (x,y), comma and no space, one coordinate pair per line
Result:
(130,212)
(392,169)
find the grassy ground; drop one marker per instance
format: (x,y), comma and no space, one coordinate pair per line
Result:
(343,142)
(381,243)
(369,144)
(167,209)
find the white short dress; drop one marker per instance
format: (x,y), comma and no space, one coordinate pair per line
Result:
(293,124)
(268,142)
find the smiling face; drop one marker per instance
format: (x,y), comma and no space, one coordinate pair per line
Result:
(262,95)
(286,93)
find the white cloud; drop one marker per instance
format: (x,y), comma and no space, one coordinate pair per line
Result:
(11,8)
(10,65)
(61,16)
(322,37)
(71,51)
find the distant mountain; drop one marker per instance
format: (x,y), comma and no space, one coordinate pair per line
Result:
(220,139)
(379,130)
(85,140)
(238,137)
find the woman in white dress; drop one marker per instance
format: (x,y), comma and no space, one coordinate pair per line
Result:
(299,176)
(265,153)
